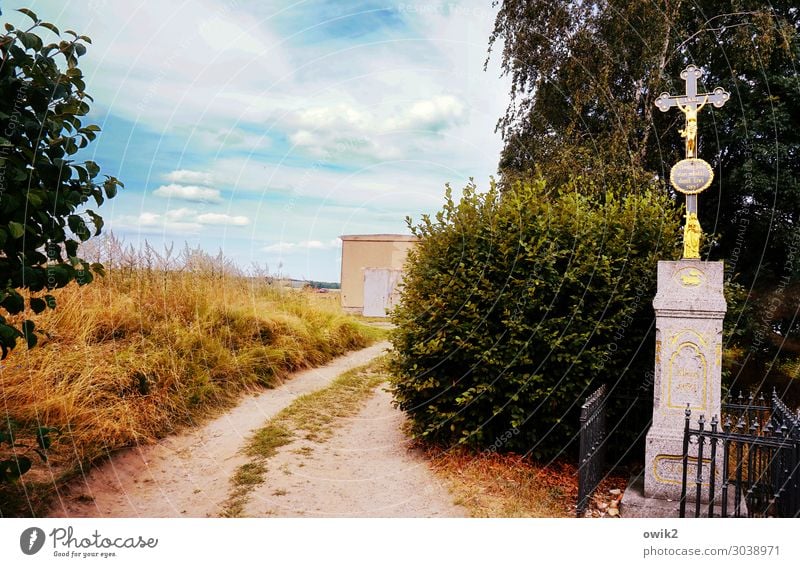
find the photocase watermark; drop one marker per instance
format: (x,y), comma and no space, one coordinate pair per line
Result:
(741,220)
(500,441)
(31,541)
(443,9)
(641,292)
(8,133)
(766,324)
(68,544)
(341,147)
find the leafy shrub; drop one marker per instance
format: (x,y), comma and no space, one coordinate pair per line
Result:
(516,304)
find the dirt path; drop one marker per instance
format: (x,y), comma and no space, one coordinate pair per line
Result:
(365,470)
(187,475)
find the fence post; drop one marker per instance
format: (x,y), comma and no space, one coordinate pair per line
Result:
(713,472)
(688,415)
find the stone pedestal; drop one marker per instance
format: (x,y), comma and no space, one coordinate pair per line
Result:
(690,307)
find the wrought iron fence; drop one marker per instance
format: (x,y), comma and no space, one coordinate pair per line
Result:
(755,456)
(591,460)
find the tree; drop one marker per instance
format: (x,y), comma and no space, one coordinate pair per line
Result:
(43,186)
(516,305)
(585,75)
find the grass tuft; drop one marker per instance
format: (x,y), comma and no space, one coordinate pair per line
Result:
(311,417)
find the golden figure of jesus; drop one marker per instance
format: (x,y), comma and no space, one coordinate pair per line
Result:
(690,132)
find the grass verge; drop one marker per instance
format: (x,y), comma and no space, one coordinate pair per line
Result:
(312,417)
(141,353)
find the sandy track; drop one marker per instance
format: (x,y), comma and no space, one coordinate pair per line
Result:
(187,475)
(367,469)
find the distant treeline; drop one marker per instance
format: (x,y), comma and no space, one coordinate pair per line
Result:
(325,285)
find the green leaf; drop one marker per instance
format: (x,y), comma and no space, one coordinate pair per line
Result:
(91,166)
(50,300)
(84,276)
(80,49)
(72,248)
(29,40)
(78,227)
(98,269)
(38,304)
(29,13)
(97,220)
(27,329)
(110,186)
(13,302)
(50,27)
(35,198)
(16,229)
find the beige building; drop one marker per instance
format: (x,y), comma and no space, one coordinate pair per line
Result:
(372,268)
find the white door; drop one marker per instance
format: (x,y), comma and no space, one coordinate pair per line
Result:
(380,294)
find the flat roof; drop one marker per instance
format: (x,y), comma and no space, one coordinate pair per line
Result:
(380,237)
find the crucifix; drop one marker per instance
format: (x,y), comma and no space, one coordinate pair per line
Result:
(691,175)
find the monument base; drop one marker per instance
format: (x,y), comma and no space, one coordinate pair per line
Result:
(689,307)
(635,504)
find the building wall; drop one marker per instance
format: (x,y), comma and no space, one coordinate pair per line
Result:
(360,252)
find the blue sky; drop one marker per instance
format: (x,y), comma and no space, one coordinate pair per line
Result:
(268,129)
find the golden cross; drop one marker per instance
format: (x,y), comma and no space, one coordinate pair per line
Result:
(690,104)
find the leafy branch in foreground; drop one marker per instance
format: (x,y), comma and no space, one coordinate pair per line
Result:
(43,186)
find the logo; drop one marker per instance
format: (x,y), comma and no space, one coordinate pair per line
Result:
(31,541)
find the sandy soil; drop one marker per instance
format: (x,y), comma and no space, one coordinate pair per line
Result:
(187,475)
(367,469)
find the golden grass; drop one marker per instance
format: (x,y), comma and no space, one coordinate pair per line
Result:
(139,354)
(312,416)
(493,485)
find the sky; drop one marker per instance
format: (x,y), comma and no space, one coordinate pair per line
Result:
(267,129)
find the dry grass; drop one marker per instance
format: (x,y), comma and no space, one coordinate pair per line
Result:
(312,417)
(145,351)
(494,485)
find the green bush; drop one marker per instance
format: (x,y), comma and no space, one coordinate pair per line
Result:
(516,304)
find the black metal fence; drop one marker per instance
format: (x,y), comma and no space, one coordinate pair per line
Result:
(749,465)
(591,460)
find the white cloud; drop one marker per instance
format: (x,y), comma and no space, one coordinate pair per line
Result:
(148,219)
(222,219)
(344,131)
(148,222)
(180,214)
(434,114)
(186,176)
(189,193)
(223,35)
(304,245)
(177,221)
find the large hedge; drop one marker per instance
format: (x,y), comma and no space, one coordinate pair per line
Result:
(516,304)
